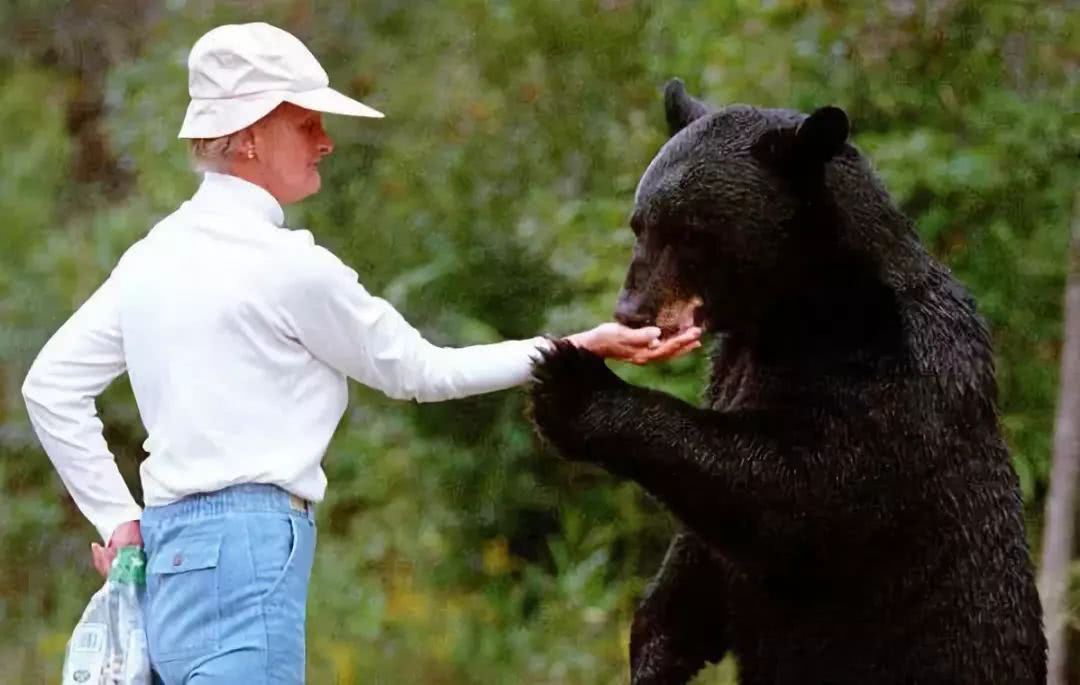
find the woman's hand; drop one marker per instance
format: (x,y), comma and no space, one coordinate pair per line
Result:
(636,345)
(125,534)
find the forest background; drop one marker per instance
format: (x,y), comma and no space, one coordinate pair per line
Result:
(492,203)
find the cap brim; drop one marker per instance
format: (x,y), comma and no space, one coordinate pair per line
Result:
(331,101)
(213,118)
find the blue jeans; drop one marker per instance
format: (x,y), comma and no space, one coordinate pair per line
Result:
(226,586)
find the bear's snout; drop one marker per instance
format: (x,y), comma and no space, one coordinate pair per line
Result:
(630,312)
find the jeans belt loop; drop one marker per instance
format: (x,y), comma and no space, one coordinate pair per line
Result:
(298,504)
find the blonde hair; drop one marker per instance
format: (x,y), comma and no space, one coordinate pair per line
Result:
(212,154)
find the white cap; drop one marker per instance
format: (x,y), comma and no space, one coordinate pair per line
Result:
(238,73)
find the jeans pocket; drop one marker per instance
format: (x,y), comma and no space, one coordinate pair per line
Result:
(285,551)
(278,550)
(182,600)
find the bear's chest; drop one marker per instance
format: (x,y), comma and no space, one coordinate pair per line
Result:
(734,380)
(730,392)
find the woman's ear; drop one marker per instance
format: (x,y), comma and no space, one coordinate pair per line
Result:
(244,144)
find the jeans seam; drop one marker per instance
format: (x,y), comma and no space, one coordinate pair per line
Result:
(268,605)
(294,545)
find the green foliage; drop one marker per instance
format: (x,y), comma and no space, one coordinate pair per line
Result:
(491,203)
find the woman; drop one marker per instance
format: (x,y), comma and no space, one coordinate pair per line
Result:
(238,336)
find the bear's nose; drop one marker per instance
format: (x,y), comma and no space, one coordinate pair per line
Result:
(629,313)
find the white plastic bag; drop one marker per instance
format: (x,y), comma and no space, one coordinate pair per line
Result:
(108,646)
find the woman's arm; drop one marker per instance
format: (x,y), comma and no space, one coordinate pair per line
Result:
(364,337)
(76,364)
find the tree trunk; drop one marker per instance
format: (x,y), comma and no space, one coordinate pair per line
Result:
(85,38)
(1061,501)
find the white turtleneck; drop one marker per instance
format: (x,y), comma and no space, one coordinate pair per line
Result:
(238,336)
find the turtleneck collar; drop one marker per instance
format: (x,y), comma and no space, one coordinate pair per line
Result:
(222,191)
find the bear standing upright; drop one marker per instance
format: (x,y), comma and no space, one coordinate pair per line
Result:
(851,513)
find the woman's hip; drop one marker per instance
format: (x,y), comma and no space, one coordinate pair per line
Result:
(227,581)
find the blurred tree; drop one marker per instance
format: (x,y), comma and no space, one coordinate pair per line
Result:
(1058,541)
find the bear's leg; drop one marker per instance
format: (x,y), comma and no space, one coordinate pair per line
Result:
(682,622)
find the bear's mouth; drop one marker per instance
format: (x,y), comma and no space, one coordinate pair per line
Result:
(680,315)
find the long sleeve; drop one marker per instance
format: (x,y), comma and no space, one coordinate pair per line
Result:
(76,364)
(365,338)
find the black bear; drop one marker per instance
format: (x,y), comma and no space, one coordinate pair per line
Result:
(851,514)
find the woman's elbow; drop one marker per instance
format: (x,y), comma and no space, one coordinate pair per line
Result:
(33,386)
(431,376)
(42,387)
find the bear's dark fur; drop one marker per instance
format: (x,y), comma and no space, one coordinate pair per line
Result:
(851,513)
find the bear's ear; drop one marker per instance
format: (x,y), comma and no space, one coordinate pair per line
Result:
(679,107)
(822,135)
